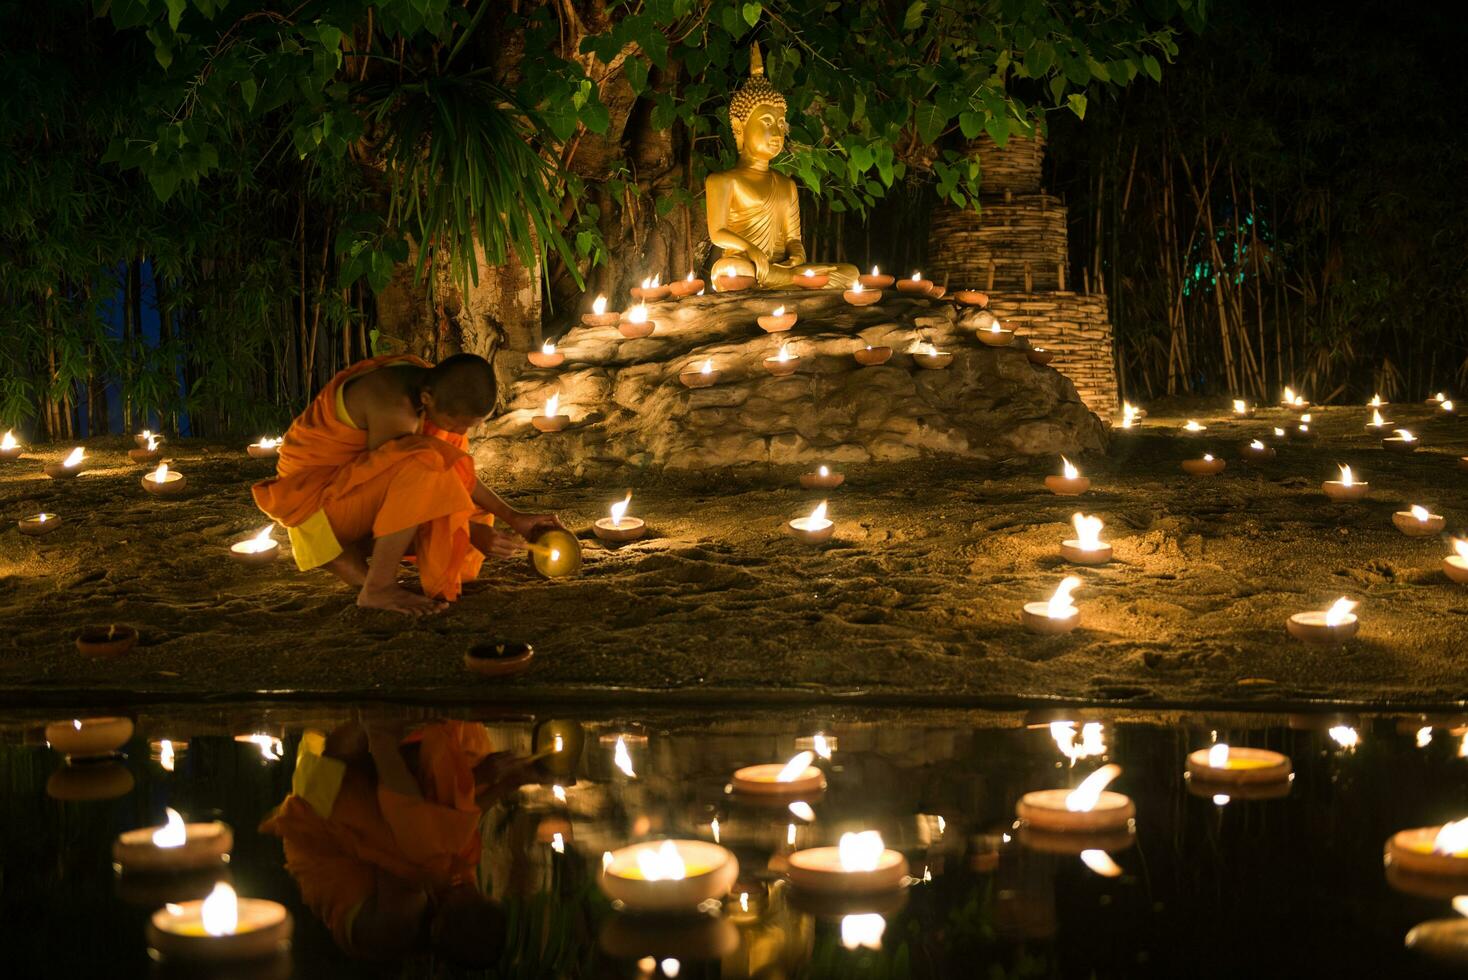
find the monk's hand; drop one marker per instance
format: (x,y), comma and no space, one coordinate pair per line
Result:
(529,525)
(500,774)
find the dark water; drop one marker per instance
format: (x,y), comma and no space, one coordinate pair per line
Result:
(1284,887)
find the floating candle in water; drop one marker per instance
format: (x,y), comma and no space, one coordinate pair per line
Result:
(1402,442)
(164,483)
(860,863)
(1086,548)
(824,478)
(1346,488)
(863,930)
(1220,764)
(1206,466)
(1070,483)
(1058,615)
(1455,566)
(619,527)
(796,777)
(1334,625)
(1193,425)
(668,875)
(815,529)
(1431,850)
(221,927)
(174,846)
(259,550)
(1088,807)
(551,418)
(1418,522)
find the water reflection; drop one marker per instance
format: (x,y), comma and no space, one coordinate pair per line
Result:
(422,841)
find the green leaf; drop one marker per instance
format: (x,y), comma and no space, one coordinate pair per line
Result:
(1151,67)
(248,91)
(636,75)
(594,116)
(971,123)
(913,19)
(930,123)
(1057,87)
(752,12)
(164,182)
(1078,104)
(998,129)
(175,12)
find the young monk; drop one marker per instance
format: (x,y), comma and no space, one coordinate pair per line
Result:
(376,469)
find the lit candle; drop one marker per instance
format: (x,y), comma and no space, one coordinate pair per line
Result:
(547,356)
(925,355)
(1418,522)
(1455,566)
(173,846)
(996,336)
(782,364)
(1086,548)
(860,295)
(259,550)
(1039,355)
(40,524)
(777,321)
(9,447)
(668,875)
(1346,488)
(917,284)
(811,279)
(1208,465)
(1058,615)
(220,927)
(146,453)
(875,279)
(1431,850)
(1334,625)
(686,287)
(1302,433)
(859,864)
(1375,402)
(1438,398)
(599,315)
(1231,765)
(1070,483)
(870,356)
(1243,408)
(1129,415)
(1377,423)
(1402,442)
(728,282)
(1292,400)
(142,437)
(815,529)
(1193,425)
(1446,406)
(266,448)
(796,777)
(106,641)
(619,527)
(1088,807)
(622,759)
(1256,450)
(824,478)
(702,376)
(164,482)
(89,738)
(68,467)
(651,289)
(635,323)
(551,419)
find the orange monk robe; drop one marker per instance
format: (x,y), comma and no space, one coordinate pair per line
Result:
(329,488)
(340,829)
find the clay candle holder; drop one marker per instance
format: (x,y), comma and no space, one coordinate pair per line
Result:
(635,323)
(221,928)
(1455,566)
(106,641)
(172,847)
(9,447)
(917,285)
(782,364)
(703,376)
(930,358)
(1086,548)
(777,321)
(142,437)
(1302,433)
(599,317)
(668,875)
(971,297)
(499,659)
(1056,616)
(266,448)
(650,290)
(38,525)
(1088,808)
(796,778)
(551,419)
(146,454)
(815,529)
(938,291)
(164,482)
(996,336)
(619,527)
(876,279)
(1346,488)
(1070,483)
(1439,851)
(1207,466)
(547,356)
(89,738)
(823,478)
(1039,355)
(259,550)
(1403,442)
(811,279)
(686,287)
(1377,423)
(68,467)
(1418,522)
(1256,451)
(870,356)
(1334,625)
(860,864)
(860,295)
(1224,765)
(732,284)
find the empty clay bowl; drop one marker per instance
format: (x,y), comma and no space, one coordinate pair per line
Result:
(971,297)
(106,641)
(499,659)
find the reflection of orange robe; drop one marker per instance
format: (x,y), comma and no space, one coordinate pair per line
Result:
(340,829)
(329,487)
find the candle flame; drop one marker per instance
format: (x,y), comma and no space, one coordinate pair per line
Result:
(1345,736)
(1439,397)
(76,723)
(549,347)
(1092,742)
(1289,395)
(73,458)
(1424,736)
(619,511)
(863,931)
(809,272)
(824,471)
(1420,513)
(8,440)
(638,314)
(1278,432)
(714,828)
(160,475)
(803,810)
(1376,418)
(152,442)
(1376,401)
(558,744)
(1447,406)
(558,843)
(796,767)
(1060,606)
(266,442)
(166,758)
(1240,406)
(819,743)
(271,748)
(1100,862)
(173,833)
(1339,612)
(690,276)
(599,305)
(818,516)
(1347,478)
(621,758)
(1218,756)
(784,354)
(860,851)
(1207,458)
(662,864)
(857,287)
(1306,418)
(1193,426)
(1452,838)
(1084,797)
(1405,435)
(1303,428)
(1256,444)
(778,311)
(917,277)
(1461,548)
(708,366)
(553,405)
(1088,531)
(994,327)
(875,272)
(221,911)
(42,518)
(262,541)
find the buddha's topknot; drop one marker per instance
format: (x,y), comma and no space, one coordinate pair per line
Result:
(756,90)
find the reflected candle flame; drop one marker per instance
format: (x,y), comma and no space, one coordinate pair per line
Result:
(1084,797)
(863,931)
(819,743)
(1101,863)
(166,757)
(1345,736)
(1091,744)
(803,810)
(1424,736)
(559,792)
(173,833)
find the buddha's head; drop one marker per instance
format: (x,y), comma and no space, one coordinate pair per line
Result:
(757,113)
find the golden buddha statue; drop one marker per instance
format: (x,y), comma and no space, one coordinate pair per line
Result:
(753,212)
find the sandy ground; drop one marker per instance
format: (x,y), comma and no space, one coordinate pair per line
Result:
(917,595)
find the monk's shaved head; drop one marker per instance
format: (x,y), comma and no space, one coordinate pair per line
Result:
(463,386)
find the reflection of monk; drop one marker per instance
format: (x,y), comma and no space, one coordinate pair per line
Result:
(377,462)
(382,837)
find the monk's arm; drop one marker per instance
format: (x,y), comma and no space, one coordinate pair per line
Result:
(520,522)
(392,770)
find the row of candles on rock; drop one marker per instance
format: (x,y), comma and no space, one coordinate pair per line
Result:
(653,289)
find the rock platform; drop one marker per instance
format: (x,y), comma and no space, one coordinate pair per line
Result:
(628,407)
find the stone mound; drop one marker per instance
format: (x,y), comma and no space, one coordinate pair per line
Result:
(628,407)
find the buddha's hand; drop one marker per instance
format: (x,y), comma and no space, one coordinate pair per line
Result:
(761,264)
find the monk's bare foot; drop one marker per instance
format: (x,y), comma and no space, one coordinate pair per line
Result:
(395,598)
(350,566)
